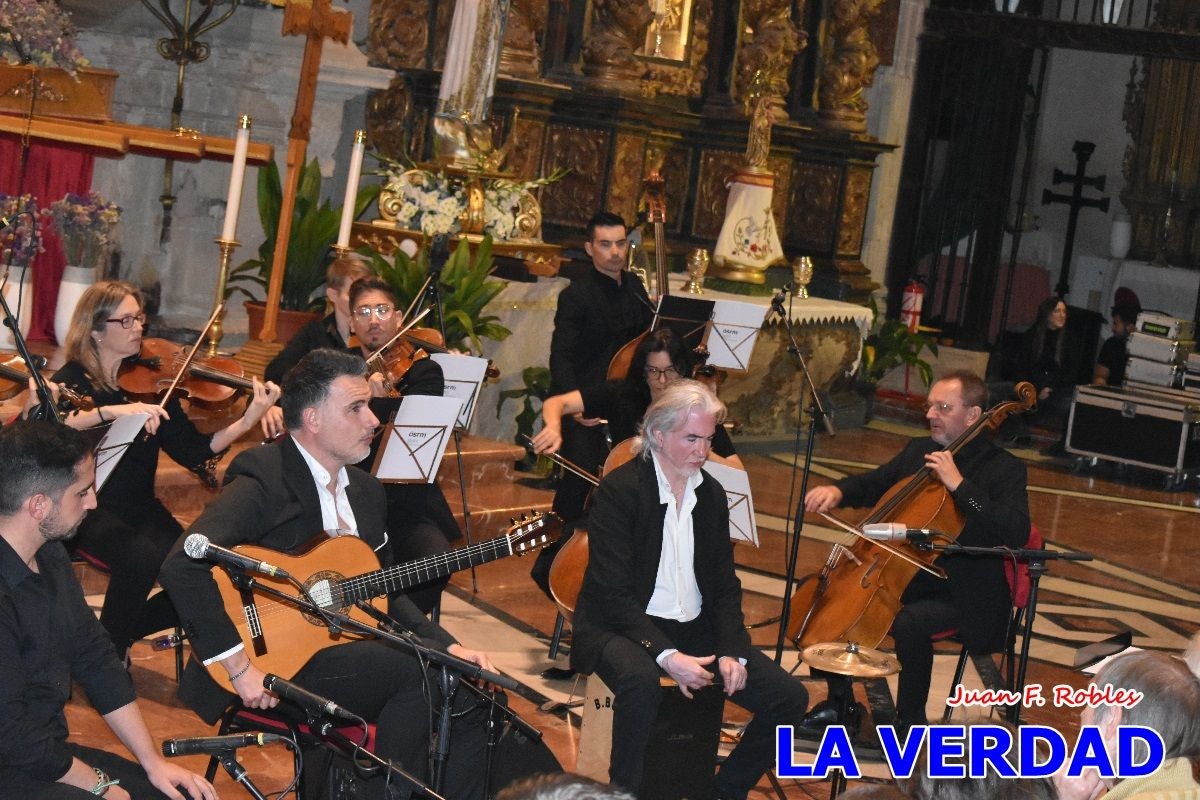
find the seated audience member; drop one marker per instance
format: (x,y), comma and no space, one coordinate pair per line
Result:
(920,786)
(1170,705)
(562,786)
(1110,364)
(49,638)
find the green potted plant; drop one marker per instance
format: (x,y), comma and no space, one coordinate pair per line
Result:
(464,287)
(314,231)
(891,344)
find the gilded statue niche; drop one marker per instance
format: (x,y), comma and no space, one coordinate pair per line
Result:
(388,112)
(770,50)
(712,191)
(572,200)
(686,80)
(522,53)
(397,34)
(617,31)
(850,67)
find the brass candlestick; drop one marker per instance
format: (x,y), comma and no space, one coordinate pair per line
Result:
(802,272)
(216,331)
(697,265)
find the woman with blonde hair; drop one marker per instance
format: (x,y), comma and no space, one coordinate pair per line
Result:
(131,531)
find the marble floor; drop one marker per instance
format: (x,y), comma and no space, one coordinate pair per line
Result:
(1144,543)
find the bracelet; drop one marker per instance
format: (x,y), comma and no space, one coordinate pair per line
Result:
(103,782)
(239,673)
(100,413)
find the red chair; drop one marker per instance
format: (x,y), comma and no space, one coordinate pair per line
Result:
(1019,584)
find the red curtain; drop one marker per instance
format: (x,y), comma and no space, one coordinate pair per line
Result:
(51,172)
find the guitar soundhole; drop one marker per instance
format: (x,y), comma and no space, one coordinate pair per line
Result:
(325,589)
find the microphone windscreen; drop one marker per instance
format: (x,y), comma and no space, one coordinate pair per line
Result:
(195,545)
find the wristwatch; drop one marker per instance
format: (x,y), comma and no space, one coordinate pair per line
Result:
(102,782)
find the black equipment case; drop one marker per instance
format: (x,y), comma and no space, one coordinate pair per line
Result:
(1158,429)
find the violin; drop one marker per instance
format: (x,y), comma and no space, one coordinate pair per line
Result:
(14,378)
(213,381)
(398,356)
(856,595)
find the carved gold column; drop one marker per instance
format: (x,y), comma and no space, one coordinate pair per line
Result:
(770,49)
(398,34)
(850,67)
(522,53)
(617,31)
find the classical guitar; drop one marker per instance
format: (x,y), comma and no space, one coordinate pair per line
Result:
(280,638)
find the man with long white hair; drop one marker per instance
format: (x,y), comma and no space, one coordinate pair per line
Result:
(660,595)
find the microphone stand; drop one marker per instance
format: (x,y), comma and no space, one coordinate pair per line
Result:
(431,292)
(1036,559)
(816,412)
(238,772)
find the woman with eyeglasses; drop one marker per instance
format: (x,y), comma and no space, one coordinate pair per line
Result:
(662,357)
(131,531)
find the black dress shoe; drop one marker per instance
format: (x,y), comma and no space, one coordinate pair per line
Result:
(825,713)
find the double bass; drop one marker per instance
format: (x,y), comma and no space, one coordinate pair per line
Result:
(856,595)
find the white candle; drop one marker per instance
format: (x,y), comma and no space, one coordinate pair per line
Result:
(236,178)
(356,159)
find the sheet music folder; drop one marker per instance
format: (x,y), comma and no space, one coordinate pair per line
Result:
(116,441)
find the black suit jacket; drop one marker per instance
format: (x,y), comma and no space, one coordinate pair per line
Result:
(993,499)
(625,533)
(594,318)
(269,499)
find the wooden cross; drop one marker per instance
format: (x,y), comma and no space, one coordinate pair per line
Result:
(1083,151)
(316,21)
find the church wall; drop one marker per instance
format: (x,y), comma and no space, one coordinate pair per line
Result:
(252,70)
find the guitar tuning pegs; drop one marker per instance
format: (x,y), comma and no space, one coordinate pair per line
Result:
(512,521)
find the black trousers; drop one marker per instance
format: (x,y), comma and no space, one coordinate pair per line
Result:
(133,779)
(384,684)
(773,696)
(133,546)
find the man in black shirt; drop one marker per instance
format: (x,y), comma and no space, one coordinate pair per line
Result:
(49,637)
(597,314)
(1114,353)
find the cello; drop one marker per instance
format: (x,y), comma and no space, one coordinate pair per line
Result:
(656,211)
(856,595)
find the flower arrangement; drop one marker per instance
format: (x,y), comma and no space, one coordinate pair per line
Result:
(20,229)
(434,204)
(38,32)
(85,224)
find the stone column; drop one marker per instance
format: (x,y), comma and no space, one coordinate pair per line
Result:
(891,99)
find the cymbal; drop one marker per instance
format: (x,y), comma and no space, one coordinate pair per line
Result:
(849,659)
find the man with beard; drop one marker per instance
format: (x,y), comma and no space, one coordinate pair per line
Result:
(49,637)
(987,485)
(280,495)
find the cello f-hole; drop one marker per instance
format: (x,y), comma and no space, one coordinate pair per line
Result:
(865,580)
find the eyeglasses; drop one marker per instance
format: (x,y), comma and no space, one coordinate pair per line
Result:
(668,373)
(128,320)
(382,312)
(942,408)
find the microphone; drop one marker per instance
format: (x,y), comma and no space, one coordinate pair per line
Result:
(198,547)
(209,745)
(310,702)
(898,532)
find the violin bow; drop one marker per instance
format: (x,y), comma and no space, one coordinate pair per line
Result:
(936,572)
(191,355)
(565,464)
(399,334)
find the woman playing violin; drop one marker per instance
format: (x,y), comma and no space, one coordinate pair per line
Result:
(987,485)
(131,530)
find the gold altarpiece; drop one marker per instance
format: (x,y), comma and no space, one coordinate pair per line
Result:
(595,99)
(1162,163)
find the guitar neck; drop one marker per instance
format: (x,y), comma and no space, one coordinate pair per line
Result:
(412,573)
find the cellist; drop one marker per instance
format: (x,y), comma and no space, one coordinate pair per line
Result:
(599,312)
(987,485)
